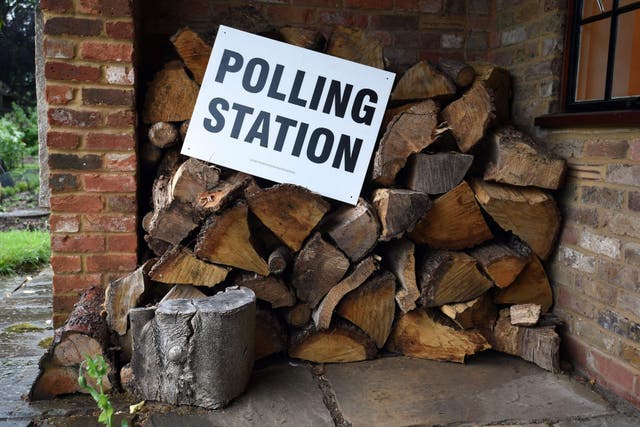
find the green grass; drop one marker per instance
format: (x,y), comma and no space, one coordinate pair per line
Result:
(22,251)
(21,328)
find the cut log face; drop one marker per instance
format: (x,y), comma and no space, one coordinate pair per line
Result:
(400,259)
(323,313)
(470,116)
(354,229)
(317,268)
(124,294)
(479,313)
(437,173)
(419,334)
(423,81)
(499,81)
(192,178)
(525,314)
(289,211)
(279,259)
(352,44)
(513,157)
(371,307)
(342,343)
(193,51)
(270,289)
(399,210)
(449,277)
(180,266)
(271,335)
(501,262)
(528,212)
(453,222)
(171,95)
(460,73)
(163,134)
(298,315)
(303,37)
(225,193)
(530,287)
(183,292)
(411,131)
(225,239)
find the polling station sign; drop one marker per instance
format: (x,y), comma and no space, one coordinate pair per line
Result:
(288,114)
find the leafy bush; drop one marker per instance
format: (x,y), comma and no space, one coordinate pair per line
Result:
(23,250)
(12,146)
(26,119)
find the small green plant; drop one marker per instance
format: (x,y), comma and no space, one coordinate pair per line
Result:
(96,368)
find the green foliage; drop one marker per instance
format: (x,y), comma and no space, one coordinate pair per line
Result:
(23,250)
(96,368)
(26,119)
(21,328)
(12,146)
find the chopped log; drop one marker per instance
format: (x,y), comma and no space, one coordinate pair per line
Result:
(354,229)
(163,134)
(342,343)
(527,212)
(317,268)
(172,360)
(271,335)
(538,345)
(437,173)
(171,220)
(150,156)
(184,127)
(270,288)
(180,266)
(245,18)
(225,239)
(460,73)
(289,211)
(183,292)
(479,313)
(303,37)
(449,277)
(124,294)
(225,193)
(411,131)
(371,307)
(192,178)
(525,314)
(390,113)
(453,222)
(298,315)
(279,259)
(193,51)
(171,95)
(420,334)
(515,158)
(502,262)
(423,81)
(470,116)
(353,44)
(399,210)
(323,313)
(530,287)
(400,260)
(499,81)
(157,246)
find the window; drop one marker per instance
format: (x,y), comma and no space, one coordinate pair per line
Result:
(604,60)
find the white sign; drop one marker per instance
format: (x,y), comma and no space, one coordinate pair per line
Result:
(288,114)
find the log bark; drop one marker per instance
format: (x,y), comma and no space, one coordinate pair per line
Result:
(478,313)
(192,178)
(225,239)
(184,127)
(400,259)
(224,194)
(502,262)
(270,289)
(499,81)
(371,307)
(193,51)
(460,73)
(453,222)
(163,134)
(420,334)
(317,268)
(271,335)
(530,287)
(171,95)
(124,294)
(399,210)
(183,292)
(181,267)
(449,277)
(324,312)
(354,45)
(512,157)
(289,211)
(354,229)
(342,343)
(437,173)
(303,37)
(410,132)
(527,212)
(470,116)
(171,220)
(423,81)
(525,314)
(298,315)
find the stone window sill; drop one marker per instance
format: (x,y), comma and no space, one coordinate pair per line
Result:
(589,119)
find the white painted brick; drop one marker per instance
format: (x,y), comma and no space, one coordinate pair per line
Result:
(600,244)
(577,260)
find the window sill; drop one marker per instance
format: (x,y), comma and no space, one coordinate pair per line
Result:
(589,119)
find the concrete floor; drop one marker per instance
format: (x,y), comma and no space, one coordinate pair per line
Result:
(491,389)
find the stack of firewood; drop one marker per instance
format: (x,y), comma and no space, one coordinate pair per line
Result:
(440,258)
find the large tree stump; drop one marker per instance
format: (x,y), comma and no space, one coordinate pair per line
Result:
(195,352)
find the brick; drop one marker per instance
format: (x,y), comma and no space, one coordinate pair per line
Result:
(109,183)
(66,263)
(513,36)
(70,72)
(630,354)
(606,148)
(82,203)
(394,22)
(59,95)
(619,324)
(454,7)
(74,118)
(596,336)
(100,51)
(75,162)
(551,46)
(65,302)
(451,41)
(290,15)
(349,19)
(110,142)
(119,30)
(634,150)
(559,273)
(622,224)
(122,243)
(59,318)
(575,302)
(478,40)
(602,196)
(624,174)
(632,253)
(416,39)
(59,48)
(116,162)
(479,7)
(111,262)
(63,182)
(109,223)
(634,201)
(73,26)
(575,259)
(402,58)
(602,291)
(124,204)
(368,4)
(613,373)
(629,302)
(74,283)
(111,97)
(424,6)
(620,275)
(62,140)
(318,3)
(77,243)
(569,235)
(119,75)
(581,215)
(57,6)
(121,119)
(64,223)
(111,8)
(600,244)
